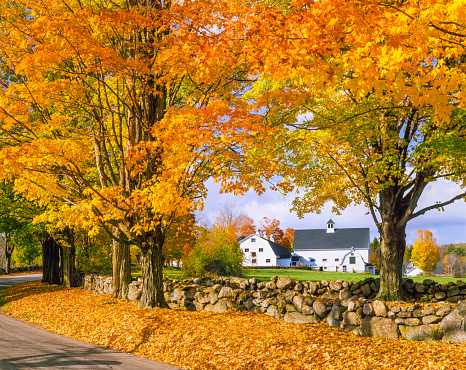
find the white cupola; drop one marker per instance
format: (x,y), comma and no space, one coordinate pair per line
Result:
(330,226)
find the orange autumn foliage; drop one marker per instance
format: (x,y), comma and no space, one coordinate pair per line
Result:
(191,340)
(115,114)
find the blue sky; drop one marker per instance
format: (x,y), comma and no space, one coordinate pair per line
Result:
(447,227)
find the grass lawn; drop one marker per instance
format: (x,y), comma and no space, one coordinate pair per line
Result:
(301,275)
(168,272)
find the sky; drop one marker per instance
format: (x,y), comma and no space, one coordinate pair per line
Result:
(448,226)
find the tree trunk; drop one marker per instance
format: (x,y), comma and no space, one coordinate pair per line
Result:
(68,257)
(8,252)
(391,261)
(51,261)
(152,277)
(121,261)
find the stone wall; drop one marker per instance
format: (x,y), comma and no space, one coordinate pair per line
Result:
(350,306)
(22,269)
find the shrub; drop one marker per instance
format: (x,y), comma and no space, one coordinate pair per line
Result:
(215,252)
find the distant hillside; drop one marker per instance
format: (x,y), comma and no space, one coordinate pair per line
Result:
(441,248)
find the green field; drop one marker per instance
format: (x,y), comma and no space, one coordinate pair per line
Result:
(301,275)
(308,275)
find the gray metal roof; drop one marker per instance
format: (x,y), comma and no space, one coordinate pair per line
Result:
(280,251)
(340,239)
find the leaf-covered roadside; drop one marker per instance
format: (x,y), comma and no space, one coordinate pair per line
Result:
(206,340)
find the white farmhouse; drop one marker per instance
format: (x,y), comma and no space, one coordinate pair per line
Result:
(332,249)
(259,251)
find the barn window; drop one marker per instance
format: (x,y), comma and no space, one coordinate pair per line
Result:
(267,260)
(352,260)
(246,249)
(324,260)
(253,240)
(253,260)
(261,249)
(337,259)
(253,254)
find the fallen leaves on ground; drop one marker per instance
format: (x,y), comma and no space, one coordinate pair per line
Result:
(206,340)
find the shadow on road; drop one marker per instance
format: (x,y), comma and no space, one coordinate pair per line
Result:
(59,359)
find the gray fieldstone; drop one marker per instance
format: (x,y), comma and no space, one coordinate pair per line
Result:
(225,292)
(412,321)
(307,310)
(431,319)
(334,323)
(380,308)
(335,286)
(320,308)
(404,315)
(366,290)
(273,311)
(297,318)
(421,332)
(444,310)
(345,293)
(298,302)
(454,299)
(368,310)
(285,282)
(453,291)
(134,294)
(313,287)
(337,312)
(222,305)
(351,318)
(395,309)
(213,297)
(379,327)
(429,310)
(419,288)
(454,325)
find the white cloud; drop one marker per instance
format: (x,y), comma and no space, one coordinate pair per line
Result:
(447,227)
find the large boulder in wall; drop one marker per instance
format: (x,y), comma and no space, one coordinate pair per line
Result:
(453,325)
(379,327)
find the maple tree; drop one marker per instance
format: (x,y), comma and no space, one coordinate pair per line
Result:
(270,228)
(117,113)
(425,254)
(365,104)
(230,217)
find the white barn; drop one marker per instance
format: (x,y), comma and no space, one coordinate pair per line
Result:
(332,249)
(258,251)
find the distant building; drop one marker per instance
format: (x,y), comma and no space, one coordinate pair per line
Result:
(410,270)
(333,249)
(259,251)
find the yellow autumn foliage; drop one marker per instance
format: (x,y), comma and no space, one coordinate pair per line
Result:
(425,254)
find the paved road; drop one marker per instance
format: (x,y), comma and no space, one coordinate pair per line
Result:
(25,346)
